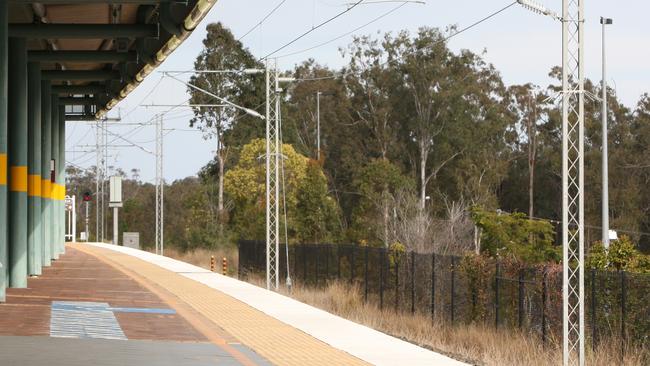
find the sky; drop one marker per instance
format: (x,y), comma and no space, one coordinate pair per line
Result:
(522,45)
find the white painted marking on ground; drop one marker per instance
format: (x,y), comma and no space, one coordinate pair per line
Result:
(81,319)
(360,341)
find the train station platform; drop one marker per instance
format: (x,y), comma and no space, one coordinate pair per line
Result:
(108,305)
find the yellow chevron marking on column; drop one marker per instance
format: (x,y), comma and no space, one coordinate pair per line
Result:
(18,179)
(34,189)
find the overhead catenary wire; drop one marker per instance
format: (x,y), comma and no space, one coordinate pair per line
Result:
(376,19)
(302,35)
(263,20)
(445,39)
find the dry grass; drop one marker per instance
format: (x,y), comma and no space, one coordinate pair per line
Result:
(475,344)
(201,257)
(472,343)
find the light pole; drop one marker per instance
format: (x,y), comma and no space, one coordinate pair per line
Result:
(605,198)
(318,125)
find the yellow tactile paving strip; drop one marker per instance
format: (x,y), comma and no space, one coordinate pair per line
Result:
(278,342)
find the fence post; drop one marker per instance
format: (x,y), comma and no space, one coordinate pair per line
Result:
(295,259)
(242,260)
(317,248)
(382,263)
(396,280)
(623,310)
(304,262)
(338,262)
(433,286)
(352,263)
(520,302)
(593,309)
(497,274)
(413,282)
(327,262)
(544,290)
(453,287)
(365,274)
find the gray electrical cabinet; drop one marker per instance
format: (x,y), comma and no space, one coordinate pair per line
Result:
(131,240)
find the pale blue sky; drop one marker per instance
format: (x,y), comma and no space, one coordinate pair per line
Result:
(523,46)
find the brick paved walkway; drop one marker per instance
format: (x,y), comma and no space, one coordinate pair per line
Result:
(82,302)
(276,341)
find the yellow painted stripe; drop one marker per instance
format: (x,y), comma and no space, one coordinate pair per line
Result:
(58,192)
(55,191)
(34,189)
(46,188)
(3,169)
(18,179)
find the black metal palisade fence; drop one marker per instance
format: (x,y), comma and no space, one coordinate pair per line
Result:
(468,290)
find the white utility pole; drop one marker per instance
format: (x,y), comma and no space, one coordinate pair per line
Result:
(115,202)
(318,125)
(273,156)
(71,213)
(99,179)
(272,176)
(87,221)
(273,166)
(160,184)
(573,93)
(605,198)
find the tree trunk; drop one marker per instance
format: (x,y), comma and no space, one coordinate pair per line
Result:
(220,213)
(532,152)
(385,221)
(423,178)
(531,187)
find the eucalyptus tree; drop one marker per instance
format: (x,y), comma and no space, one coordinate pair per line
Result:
(452,105)
(222,52)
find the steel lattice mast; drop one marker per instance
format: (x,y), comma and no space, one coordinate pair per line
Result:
(272,176)
(101,142)
(573,180)
(159,186)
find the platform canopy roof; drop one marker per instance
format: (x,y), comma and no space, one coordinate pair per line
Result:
(95,52)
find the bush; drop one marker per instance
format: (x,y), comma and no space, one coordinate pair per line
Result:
(622,256)
(515,236)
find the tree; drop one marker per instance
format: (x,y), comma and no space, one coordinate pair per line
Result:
(377,186)
(305,193)
(426,66)
(515,236)
(371,85)
(221,51)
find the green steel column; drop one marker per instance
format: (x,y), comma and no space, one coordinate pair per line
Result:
(34,262)
(54,244)
(61,179)
(46,183)
(17,157)
(4,256)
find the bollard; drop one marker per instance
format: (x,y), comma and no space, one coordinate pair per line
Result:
(224,266)
(212,263)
